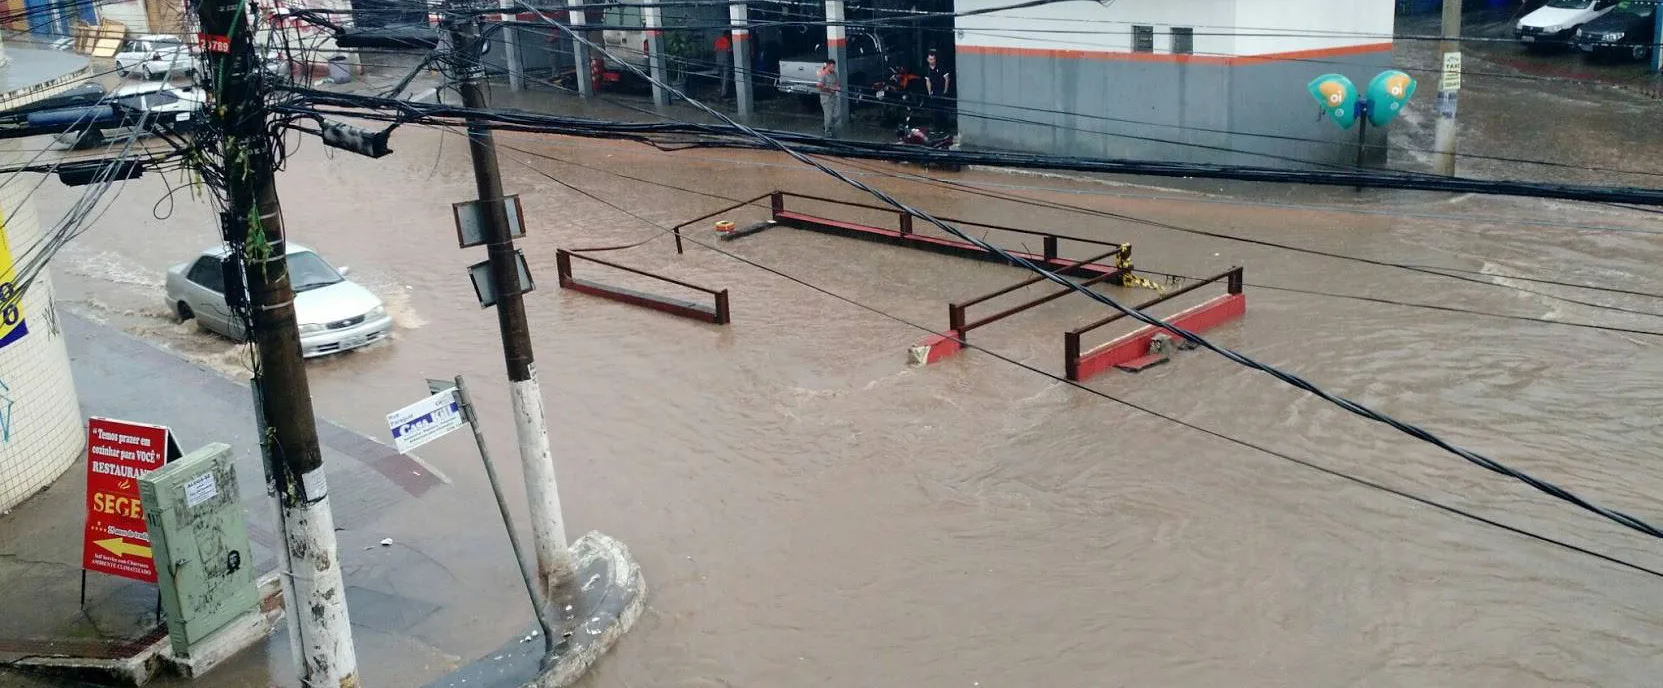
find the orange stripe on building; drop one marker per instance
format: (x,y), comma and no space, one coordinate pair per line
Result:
(1175,57)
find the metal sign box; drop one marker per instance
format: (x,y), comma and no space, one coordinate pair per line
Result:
(199,534)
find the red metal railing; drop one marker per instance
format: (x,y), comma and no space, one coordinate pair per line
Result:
(956,311)
(716,313)
(902,233)
(1081,365)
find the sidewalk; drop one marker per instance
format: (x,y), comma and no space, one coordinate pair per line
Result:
(418,606)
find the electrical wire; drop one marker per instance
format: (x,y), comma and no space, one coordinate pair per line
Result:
(1546,487)
(1305,463)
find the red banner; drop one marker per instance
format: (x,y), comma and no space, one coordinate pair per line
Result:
(118,454)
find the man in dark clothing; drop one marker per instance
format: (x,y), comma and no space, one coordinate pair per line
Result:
(939,84)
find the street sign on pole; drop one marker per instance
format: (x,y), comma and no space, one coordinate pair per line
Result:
(424,421)
(1451,80)
(484,288)
(470,220)
(119,452)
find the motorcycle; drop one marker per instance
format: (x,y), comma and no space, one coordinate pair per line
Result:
(907,134)
(899,95)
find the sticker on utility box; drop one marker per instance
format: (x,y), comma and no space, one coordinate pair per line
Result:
(424,421)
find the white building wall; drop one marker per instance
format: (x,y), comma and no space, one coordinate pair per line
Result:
(1266,27)
(41,431)
(1093,28)
(1223,28)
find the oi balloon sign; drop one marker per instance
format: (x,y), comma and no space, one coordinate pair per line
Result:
(1338,97)
(1387,93)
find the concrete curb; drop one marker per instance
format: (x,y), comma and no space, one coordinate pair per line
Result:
(140,668)
(610,596)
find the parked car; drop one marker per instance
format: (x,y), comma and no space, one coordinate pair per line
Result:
(139,110)
(152,56)
(1624,33)
(1557,22)
(335,314)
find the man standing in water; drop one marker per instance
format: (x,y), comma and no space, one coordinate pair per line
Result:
(828,98)
(938,82)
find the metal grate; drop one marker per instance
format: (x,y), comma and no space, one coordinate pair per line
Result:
(343,324)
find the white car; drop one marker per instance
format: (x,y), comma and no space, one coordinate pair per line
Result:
(141,110)
(152,56)
(1557,21)
(335,314)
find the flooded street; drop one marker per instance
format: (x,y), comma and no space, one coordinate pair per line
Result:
(808,510)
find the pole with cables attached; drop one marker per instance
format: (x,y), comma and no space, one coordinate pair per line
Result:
(554,559)
(252,225)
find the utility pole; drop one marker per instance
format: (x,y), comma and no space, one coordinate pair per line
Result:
(1449,89)
(554,559)
(252,226)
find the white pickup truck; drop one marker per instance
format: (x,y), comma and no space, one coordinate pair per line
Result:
(868,61)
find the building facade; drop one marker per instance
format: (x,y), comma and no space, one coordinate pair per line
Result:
(41,430)
(1216,81)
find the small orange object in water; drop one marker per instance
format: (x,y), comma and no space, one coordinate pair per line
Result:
(724,226)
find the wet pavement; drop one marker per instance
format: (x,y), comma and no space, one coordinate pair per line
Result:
(811,510)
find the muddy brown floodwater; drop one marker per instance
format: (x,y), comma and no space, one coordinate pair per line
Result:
(810,511)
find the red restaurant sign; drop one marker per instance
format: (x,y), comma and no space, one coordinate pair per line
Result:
(118,454)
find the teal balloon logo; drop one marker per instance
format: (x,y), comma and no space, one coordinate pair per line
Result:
(1338,97)
(1387,94)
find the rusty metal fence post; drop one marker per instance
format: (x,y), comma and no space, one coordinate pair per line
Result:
(1234,285)
(722,307)
(563,266)
(955,320)
(776,204)
(1050,248)
(906,223)
(1071,355)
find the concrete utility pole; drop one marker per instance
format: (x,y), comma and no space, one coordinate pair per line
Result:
(653,17)
(837,48)
(739,17)
(253,228)
(1443,138)
(1657,40)
(554,559)
(580,52)
(511,46)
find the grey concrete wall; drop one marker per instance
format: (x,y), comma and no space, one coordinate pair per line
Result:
(1258,114)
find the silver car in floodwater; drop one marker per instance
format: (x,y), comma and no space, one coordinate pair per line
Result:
(335,314)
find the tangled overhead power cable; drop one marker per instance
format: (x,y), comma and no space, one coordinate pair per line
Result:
(729,134)
(1353,407)
(1306,463)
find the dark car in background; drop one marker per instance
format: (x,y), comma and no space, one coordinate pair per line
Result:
(1625,33)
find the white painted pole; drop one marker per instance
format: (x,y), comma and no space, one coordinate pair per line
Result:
(652,17)
(580,52)
(837,48)
(1444,135)
(320,599)
(739,17)
(548,527)
(511,47)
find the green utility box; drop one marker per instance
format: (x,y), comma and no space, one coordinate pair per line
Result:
(199,535)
